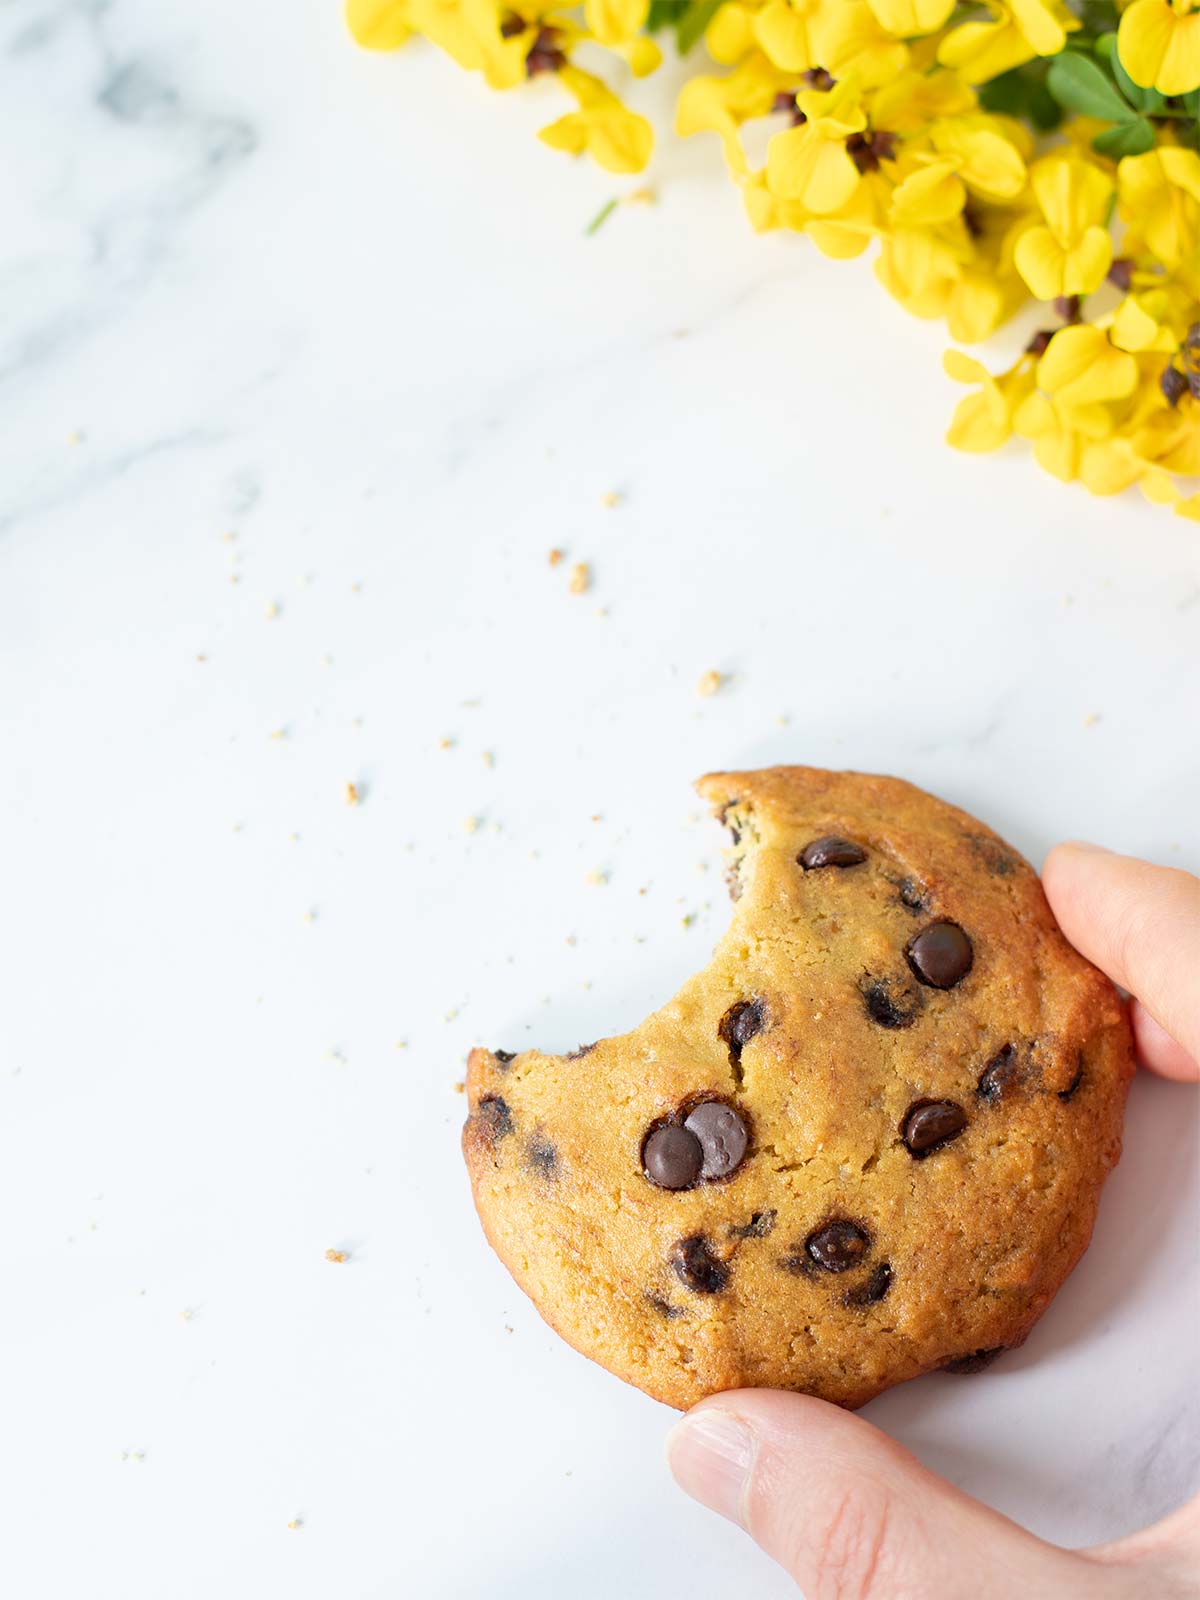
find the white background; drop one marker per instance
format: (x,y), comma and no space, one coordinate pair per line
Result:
(259,284)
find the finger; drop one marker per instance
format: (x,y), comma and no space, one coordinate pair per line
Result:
(848,1512)
(1157,1050)
(1140,924)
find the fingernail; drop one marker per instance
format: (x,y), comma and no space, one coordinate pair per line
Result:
(711,1454)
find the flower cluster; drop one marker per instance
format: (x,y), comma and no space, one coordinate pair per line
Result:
(995,154)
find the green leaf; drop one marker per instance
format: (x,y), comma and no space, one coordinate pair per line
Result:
(1126,139)
(601,217)
(664,14)
(1022,93)
(693,22)
(1079,84)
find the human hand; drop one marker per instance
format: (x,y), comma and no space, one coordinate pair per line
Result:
(850,1513)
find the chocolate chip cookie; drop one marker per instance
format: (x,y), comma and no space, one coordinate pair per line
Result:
(867,1141)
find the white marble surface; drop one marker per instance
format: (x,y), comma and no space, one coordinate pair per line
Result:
(342,308)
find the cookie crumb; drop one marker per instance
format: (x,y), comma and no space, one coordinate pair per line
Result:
(279,733)
(271,610)
(555,557)
(610,499)
(581,578)
(337,1256)
(470,825)
(401,1044)
(309,917)
(1092,718)
(460,1087)
(296,1522)
(596,877)
(445,742)
(353,794)
(709,683)
(489,760)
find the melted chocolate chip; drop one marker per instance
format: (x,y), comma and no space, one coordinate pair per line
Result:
(1069,1091)
(831,850)
(495,1116)
(929,1124)
(889,1004)
(672,1157)
(997,1075)
(543,1157)
(940,955)
(722,1137)
(975,1362)
(697,1268)
(837,1246)
(664,1307)
(735,827)
(505,1056)
(580,1051)
(871,1292)
(740,1024)
(758,1227)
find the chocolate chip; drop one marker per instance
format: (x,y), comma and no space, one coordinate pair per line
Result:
(495,1116)
(871,1292)
(505,1056)
(997,1075)
(580,1051)
(664,1307)
(722,1136)
(697,1268)
(740,1024)
(672,1157)
(929,1124)
(543,1157)
(735,827)
(975,1362)
(758,1227)
(1069,1091)
(888,1004)
(837,1245)
(831,850)
(940,954)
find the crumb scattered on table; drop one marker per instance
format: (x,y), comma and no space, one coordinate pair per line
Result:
(610,499)
(470,825)
(596,877)
(337,1256)
(581,578)
(271,610)
(460,1087)
(353,794)
(709,683)
(555,557)
(1092,718)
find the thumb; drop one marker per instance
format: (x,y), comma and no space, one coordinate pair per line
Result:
(853,1516)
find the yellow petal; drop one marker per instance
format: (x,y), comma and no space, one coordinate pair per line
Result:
(983,50)
(730,33)
(848,38)
(976,307)
(1040,25)
(1086,266)
(644,56)
(614,21)
(1189,508)
(1159,47)
(1072,193)
(1108,468)
(1080,367)
(905,18)
(802,166)
(1058,454)
(1041,261)
(975,428)
(378,24)
(927,197)
(986,162)
(782,34)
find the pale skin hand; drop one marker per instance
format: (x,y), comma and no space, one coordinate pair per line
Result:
(850,1513)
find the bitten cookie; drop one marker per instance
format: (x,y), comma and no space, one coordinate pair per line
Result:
(865,1142)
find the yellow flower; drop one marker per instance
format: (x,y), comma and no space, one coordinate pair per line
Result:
(1143,322)
(1018,31)
(911,102)
(616,138)
(730,34)
(710,104)
(1081,369)
(379,24)
(984,421)
(1159,45)
(1160,198)
(810,163)
(985,158)
(1071,251)
(850,39)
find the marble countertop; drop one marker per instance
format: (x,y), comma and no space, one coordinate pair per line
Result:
(308,364)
